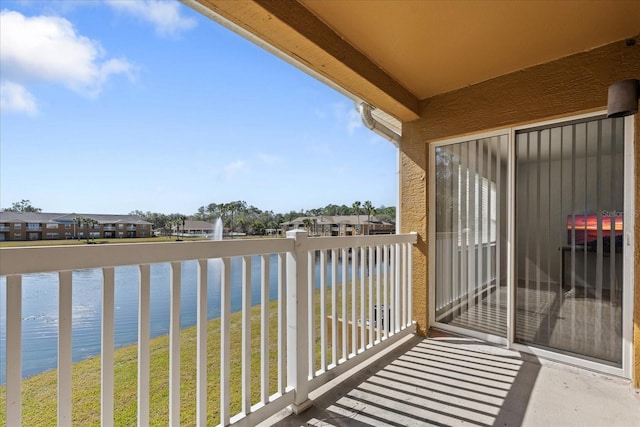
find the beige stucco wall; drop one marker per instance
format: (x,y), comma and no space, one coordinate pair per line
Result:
(566,87)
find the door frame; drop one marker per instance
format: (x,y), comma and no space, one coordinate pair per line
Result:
(628,248)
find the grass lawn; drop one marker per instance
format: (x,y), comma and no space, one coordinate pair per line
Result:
(39,392)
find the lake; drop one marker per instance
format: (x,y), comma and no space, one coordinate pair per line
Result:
(40,307)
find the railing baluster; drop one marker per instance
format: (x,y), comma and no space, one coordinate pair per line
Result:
(407,284)
(311,310)
(144,335)
(174,344)
(334,306)
(323,310)
(345,264)
(392,288)
(385,291)
(64,348)
(201,345)
(354,299)
(246,335)
(282,323)
(371,295)
(13,366)
(397,287)
(107,381)
(378,301)
(363,332)
(225,341)
(264,329)
(410,282)
(402,283)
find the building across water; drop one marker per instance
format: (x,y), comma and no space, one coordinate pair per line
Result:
(339,225)
(57,226)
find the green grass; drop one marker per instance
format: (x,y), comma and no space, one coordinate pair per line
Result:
(39,392)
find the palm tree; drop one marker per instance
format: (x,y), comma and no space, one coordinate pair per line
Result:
(368,207)
(85,222)
(307,224)
(356,208)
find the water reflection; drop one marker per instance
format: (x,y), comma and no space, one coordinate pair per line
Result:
(40,307)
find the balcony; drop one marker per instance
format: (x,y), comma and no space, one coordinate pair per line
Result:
(4,228)
(109,228)
(324,324)
(453,381)
(131,228)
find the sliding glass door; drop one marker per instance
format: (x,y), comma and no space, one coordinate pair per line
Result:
(528,228)
(568,242)
(471,206)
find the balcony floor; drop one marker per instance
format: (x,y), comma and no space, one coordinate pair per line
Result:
(458,381)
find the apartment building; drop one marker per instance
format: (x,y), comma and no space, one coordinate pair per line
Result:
(56,226)
(340,225)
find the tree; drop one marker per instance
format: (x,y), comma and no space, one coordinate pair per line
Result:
(23,206)
(258,228)
(356,209)
(85,221)
(307,224)
(370,210)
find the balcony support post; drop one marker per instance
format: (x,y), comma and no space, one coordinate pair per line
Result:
(297,321)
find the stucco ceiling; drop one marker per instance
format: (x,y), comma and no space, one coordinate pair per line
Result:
(395,53)
(432,47)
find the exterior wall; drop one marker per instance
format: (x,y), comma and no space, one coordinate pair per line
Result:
(566,87)
(46,231)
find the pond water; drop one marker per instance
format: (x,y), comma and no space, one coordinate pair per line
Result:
(40,307)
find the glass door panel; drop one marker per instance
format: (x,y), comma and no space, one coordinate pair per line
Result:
(568,238)
(471,229)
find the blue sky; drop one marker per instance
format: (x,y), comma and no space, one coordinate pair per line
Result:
(113,106)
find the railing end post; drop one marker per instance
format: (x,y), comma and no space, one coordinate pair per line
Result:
(301,407)
(297,320)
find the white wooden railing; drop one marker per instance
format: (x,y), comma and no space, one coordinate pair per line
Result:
(380,276)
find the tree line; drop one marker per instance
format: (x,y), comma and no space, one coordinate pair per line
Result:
(240,217)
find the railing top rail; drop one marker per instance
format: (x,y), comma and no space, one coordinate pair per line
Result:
(40,259)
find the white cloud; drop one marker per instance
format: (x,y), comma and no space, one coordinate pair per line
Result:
(269,159)
(354,121)
(164,15)
(48,49)
(15,97)
(347,116)
(234,168)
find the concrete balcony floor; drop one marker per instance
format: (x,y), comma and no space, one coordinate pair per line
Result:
(459,381)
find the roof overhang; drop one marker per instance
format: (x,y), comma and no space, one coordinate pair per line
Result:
(393,54)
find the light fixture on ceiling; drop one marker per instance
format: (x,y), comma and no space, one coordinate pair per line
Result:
(623,98)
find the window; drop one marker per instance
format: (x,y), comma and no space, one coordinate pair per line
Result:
(52,235)
(17,226)
(52,226)
(17,235)
(120,225)
(67,226)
